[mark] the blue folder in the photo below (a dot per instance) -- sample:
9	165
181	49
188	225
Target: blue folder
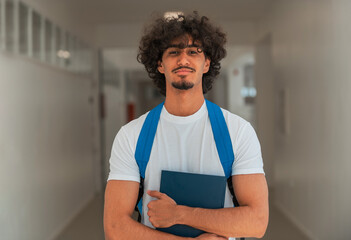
193	190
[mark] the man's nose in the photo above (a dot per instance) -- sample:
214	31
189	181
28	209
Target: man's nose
183	59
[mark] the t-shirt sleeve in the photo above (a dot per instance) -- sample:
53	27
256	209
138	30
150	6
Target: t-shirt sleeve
122	162
247	151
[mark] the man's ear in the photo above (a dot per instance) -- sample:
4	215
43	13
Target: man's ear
207	65
160	67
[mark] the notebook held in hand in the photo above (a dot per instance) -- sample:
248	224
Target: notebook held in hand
192	190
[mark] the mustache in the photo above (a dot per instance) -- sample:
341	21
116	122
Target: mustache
178	68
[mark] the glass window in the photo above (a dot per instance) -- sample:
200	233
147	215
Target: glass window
2	22
10	25
90	61
86	59
36	34
58	45
53	45
79	56
71	50
48	39
65	54
23	29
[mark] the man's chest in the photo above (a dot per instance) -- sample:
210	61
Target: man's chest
186	148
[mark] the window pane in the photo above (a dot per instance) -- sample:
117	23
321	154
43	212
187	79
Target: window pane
10	26
90	62
58	45
71	50
78	56
1	24
48	42
85	59
23	29
65	54
36	35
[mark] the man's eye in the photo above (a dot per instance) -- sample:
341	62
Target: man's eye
173	52
193	52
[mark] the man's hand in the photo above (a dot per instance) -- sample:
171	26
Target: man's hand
162	212
210	236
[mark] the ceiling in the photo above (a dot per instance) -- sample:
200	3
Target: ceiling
100	12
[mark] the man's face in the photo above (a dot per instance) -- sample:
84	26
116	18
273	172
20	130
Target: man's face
183	66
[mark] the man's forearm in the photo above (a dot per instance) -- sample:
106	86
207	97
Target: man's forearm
126	228
241	221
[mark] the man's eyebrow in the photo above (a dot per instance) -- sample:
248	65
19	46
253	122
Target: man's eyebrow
181	46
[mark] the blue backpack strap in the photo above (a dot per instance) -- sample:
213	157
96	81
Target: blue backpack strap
223	143
146	138
222	137
145	141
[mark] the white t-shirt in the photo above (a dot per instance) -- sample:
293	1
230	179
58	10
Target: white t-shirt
184	144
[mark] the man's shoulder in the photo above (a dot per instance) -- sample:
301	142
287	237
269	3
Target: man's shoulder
237	125
232	118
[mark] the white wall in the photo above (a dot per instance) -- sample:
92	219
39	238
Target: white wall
46	148
311	57
265	114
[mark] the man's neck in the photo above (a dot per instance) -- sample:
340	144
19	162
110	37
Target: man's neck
184	104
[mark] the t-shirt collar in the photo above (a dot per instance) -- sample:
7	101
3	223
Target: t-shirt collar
186	119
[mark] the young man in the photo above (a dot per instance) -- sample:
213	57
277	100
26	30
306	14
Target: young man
182	56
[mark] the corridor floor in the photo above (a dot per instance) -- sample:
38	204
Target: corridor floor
88	225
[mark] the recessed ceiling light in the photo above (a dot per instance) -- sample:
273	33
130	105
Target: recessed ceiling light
174	15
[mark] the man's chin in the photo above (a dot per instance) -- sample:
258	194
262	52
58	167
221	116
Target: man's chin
183	85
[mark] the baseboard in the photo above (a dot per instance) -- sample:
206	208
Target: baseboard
295	222
68	221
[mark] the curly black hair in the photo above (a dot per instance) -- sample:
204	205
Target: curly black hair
158	37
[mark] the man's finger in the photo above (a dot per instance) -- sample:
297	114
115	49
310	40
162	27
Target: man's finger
210	236
155	194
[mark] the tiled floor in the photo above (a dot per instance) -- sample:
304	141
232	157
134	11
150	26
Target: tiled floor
88	225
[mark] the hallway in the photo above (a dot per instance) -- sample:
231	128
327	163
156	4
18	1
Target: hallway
69	79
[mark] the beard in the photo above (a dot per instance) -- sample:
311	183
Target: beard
183	85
